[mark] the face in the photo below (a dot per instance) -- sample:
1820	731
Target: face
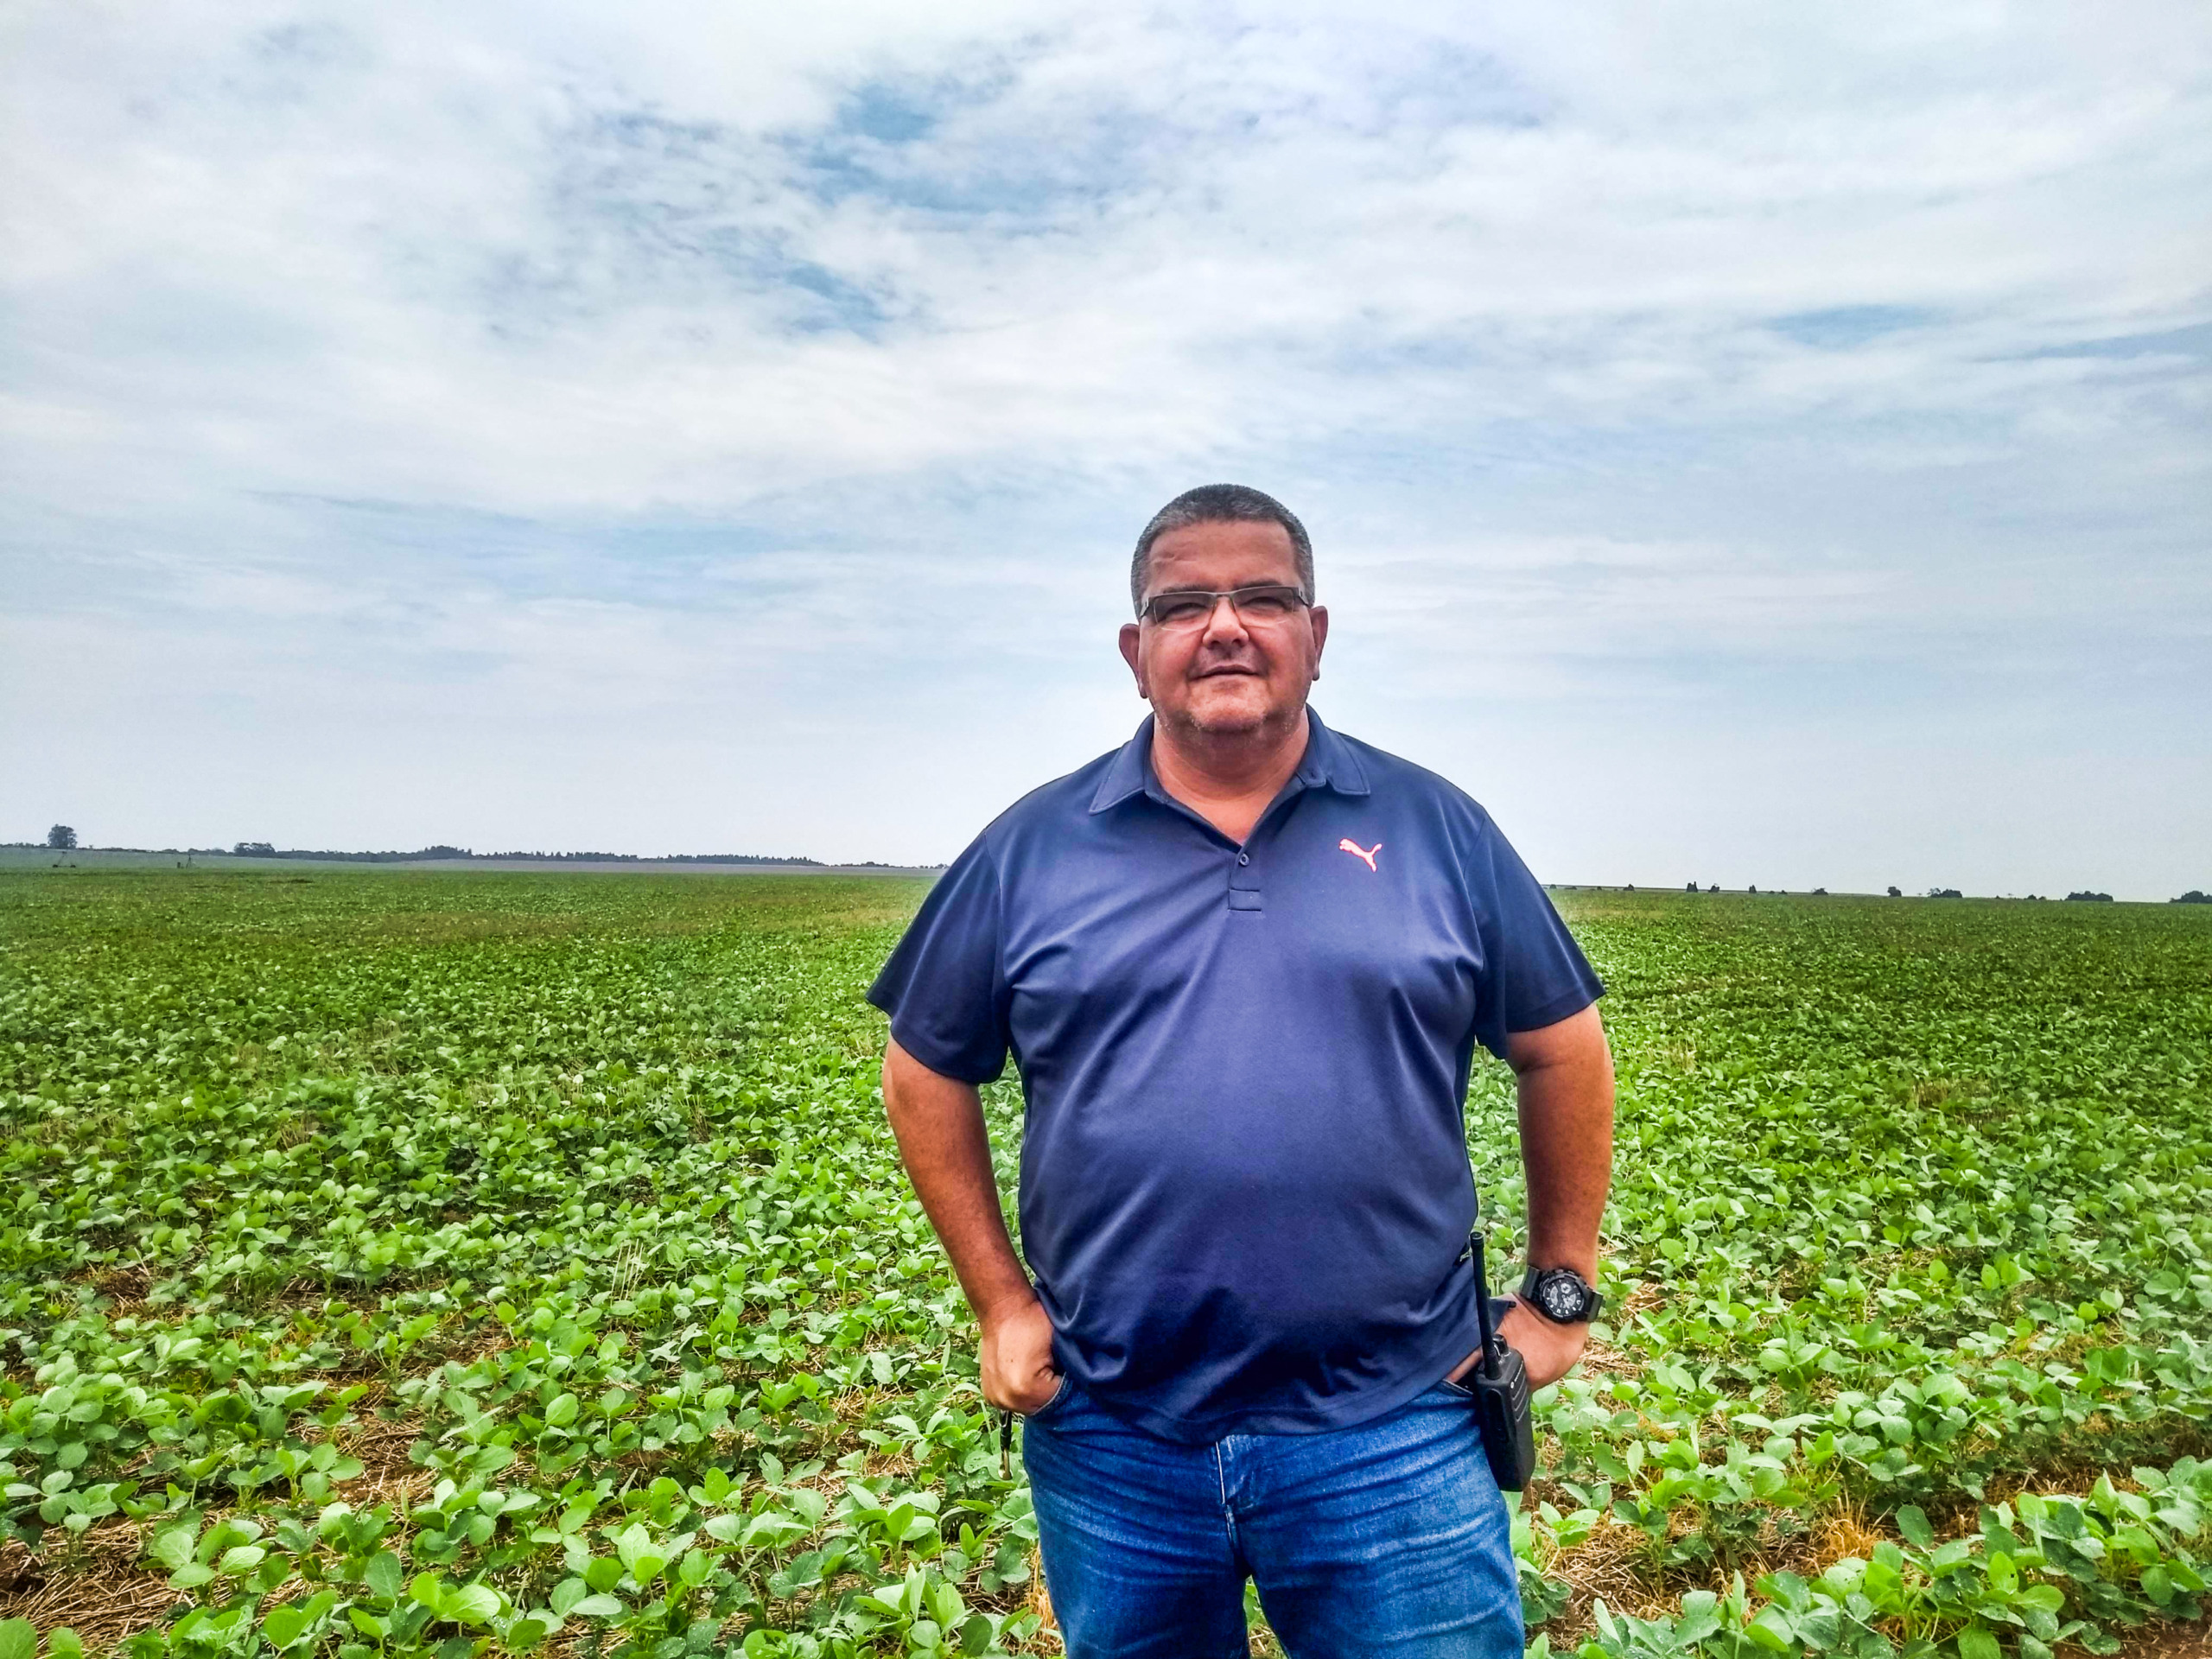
1233	676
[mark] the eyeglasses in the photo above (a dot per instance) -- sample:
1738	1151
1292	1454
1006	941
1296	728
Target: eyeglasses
1190	608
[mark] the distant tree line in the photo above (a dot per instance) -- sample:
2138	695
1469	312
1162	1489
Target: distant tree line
2192	897
263	849
62	838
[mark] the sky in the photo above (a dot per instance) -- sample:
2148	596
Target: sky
1744	445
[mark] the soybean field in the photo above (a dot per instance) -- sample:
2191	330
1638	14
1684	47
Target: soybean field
398	1263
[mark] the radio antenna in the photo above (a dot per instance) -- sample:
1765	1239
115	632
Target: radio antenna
1481	1306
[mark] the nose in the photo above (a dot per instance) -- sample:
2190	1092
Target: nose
1223	625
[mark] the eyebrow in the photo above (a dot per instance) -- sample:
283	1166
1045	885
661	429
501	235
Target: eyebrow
1240	587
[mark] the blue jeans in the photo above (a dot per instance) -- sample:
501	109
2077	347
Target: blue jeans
1389	1538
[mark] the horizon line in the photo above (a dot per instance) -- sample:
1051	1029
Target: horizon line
442	853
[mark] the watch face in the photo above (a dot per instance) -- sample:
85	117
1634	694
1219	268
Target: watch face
1562	1298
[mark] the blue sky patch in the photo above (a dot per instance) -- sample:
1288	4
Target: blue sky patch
1841	327
2194	341
886	114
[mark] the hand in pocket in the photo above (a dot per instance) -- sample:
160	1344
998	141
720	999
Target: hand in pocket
1018	1375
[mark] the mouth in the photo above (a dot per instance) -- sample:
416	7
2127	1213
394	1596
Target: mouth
1226	669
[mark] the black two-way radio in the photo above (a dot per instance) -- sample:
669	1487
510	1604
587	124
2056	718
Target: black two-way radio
1500	1385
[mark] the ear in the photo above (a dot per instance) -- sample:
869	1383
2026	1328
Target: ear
1132	655
1318	618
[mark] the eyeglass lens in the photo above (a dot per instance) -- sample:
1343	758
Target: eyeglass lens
1189	610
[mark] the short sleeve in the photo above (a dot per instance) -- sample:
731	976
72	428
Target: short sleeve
943	986
1536	974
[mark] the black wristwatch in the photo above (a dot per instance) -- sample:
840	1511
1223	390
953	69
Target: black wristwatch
1561	1295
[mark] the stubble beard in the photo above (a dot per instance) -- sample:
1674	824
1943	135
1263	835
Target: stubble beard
1206	720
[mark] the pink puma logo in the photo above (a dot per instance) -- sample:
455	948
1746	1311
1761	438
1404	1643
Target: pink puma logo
1366	854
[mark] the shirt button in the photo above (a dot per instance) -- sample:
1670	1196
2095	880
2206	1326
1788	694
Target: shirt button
1243	858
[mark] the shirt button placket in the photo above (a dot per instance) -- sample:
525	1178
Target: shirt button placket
1243	885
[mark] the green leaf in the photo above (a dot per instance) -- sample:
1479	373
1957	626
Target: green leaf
471	1604
1819	1630
562	1410
1786	1587
802	1571
285	1624
1773	1629
385	1576
1947	1557
172	1546
946	1606
18	1639
1696	1622
602	1572
1976	1643
597	1607
1840	1578
1913	1524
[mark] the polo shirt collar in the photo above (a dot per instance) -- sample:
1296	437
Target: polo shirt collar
1329	763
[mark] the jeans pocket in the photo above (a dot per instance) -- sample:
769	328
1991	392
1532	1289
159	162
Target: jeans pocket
1059	1399
1458	1388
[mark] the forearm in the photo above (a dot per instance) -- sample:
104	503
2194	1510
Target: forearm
939	1125
1565	1078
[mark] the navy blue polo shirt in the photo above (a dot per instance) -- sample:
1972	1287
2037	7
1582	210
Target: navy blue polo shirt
1244	1177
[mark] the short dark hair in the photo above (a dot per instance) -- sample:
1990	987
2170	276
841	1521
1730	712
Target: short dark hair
1223	504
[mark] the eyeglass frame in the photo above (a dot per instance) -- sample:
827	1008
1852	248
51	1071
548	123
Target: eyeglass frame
1215	596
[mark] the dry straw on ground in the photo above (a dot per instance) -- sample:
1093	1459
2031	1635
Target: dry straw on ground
95	1584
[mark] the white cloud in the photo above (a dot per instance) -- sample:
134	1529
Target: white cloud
1685	357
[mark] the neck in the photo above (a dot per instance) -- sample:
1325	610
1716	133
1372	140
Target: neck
1228	779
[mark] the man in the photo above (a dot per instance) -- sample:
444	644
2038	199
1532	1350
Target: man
1241	964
